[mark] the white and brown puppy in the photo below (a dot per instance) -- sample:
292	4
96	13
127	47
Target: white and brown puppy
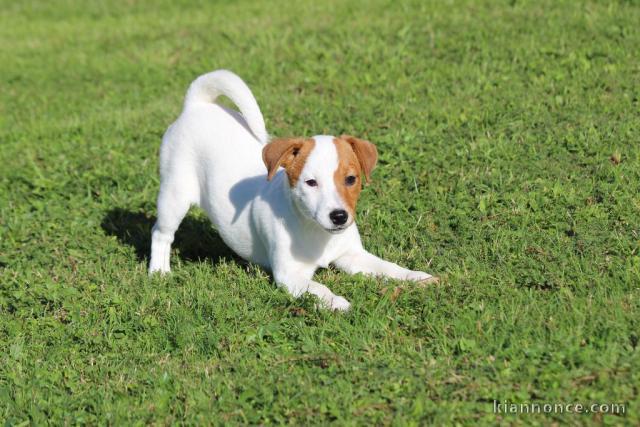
293	216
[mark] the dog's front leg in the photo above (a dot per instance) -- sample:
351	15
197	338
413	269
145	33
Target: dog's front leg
361	261
297	282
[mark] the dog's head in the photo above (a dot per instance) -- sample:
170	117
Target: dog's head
324	175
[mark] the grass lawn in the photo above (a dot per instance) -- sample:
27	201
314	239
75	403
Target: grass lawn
509	136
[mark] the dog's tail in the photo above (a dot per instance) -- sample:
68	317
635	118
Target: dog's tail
208	87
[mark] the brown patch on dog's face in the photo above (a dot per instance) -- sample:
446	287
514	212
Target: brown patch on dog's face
347	176
290	153
366	152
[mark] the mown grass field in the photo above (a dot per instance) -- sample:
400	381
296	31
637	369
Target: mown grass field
509	135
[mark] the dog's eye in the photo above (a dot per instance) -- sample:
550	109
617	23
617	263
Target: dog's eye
350	180
311	183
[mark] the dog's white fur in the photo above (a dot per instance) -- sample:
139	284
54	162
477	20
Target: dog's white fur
212	157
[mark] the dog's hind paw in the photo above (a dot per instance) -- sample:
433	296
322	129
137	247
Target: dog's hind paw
158	270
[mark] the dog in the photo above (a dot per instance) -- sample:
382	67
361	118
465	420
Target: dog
288	204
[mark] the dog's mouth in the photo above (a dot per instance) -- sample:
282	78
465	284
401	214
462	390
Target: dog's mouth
330	228
335	230
338	229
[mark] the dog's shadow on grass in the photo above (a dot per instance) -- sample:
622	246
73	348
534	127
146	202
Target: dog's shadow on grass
195	240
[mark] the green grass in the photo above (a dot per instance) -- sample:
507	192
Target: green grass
509	140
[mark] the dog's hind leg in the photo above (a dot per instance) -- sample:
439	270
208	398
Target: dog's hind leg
172	207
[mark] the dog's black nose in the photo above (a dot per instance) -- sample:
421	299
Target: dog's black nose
339	216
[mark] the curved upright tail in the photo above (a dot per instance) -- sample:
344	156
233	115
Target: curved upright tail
208	87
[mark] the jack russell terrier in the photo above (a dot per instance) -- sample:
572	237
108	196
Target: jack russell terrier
288	205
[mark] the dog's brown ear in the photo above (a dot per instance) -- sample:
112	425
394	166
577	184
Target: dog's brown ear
366	152
280	152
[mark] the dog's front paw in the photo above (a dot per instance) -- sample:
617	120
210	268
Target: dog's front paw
422	277
339	303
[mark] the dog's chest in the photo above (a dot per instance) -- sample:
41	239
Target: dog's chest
326	259
323	252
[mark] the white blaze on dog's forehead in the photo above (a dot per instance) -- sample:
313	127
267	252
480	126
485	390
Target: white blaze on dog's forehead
321	166
323	159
